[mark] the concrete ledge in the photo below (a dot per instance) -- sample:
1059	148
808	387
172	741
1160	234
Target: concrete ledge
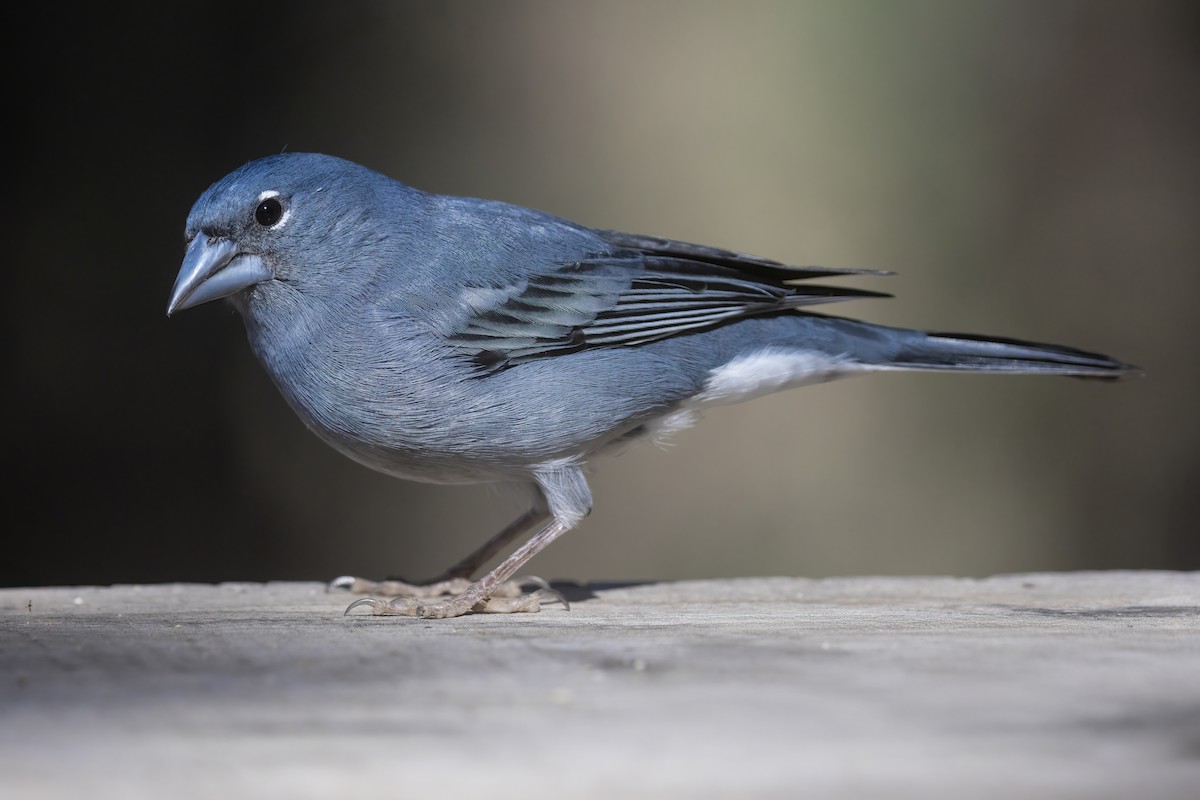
1041	685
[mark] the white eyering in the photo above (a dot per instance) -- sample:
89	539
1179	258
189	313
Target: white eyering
287	212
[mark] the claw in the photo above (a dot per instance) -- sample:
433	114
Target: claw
548	595
533	580
342	582
362	601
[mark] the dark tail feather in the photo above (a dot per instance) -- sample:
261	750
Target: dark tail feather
970	353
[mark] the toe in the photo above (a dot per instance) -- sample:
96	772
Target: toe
397	606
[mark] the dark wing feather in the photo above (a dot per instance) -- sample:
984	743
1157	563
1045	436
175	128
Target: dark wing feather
653	246
644	289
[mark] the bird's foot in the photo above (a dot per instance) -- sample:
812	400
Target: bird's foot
439	587
459	604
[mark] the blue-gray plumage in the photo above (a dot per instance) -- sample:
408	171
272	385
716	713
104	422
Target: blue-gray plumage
453	340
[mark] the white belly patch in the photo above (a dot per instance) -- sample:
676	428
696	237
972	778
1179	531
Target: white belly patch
771	369
762	372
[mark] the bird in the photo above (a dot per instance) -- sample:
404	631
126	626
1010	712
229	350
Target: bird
449	340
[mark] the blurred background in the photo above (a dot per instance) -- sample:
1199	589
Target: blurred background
1029	169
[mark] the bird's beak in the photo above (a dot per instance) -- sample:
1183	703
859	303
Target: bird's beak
212	269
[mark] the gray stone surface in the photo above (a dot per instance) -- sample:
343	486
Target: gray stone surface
1030	686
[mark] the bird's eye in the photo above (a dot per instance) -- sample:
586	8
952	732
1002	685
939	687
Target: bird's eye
268	212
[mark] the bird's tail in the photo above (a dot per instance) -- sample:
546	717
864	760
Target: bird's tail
970	353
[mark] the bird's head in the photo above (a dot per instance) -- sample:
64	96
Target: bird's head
274	221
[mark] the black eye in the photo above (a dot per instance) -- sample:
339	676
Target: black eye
268	212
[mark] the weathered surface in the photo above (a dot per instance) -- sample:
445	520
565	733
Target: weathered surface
1047	685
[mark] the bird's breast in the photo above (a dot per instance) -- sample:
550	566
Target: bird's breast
397	399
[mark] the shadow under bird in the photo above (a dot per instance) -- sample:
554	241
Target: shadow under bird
457	340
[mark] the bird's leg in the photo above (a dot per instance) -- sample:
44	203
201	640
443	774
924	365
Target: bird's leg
456	579
478	596
568	500
467	567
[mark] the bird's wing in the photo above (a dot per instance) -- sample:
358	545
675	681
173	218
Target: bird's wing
637	290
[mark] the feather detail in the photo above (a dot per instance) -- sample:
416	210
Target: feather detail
646	290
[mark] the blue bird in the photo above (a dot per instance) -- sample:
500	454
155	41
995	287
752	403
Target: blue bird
455	340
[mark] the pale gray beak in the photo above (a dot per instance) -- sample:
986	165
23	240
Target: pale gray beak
212	269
